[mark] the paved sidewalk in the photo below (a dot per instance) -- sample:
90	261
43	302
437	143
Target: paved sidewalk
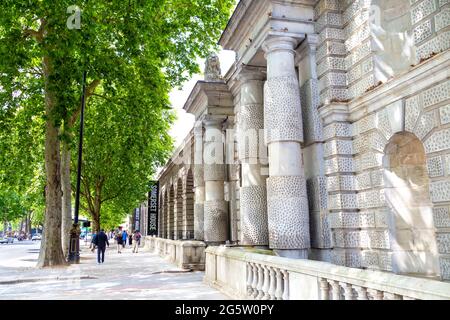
123	276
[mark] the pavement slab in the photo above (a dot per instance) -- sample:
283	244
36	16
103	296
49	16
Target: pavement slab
125	276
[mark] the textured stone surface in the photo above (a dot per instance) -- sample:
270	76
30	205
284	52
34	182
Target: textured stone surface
440	191
288	213
214	172
282	110
216	221
438	141
253	213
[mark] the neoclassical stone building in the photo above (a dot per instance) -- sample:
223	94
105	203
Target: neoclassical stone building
333	133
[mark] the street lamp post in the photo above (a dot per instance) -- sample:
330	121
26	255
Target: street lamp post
74	247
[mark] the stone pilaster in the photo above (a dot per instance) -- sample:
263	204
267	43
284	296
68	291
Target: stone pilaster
216	228
287	201
199	183
253	195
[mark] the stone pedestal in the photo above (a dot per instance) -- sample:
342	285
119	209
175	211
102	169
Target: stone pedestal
287	201
253	197
216	222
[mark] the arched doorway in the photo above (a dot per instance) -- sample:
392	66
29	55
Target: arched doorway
166	215
188	214
411	227
170	214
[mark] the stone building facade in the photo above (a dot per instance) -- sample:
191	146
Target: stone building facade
333	130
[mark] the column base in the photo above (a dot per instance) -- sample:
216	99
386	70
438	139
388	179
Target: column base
292	254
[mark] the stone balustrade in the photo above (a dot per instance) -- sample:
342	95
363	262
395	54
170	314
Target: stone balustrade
185	254
243	274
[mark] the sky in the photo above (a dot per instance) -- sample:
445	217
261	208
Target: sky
185	121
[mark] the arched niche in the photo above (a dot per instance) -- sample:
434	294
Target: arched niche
411	227
392	38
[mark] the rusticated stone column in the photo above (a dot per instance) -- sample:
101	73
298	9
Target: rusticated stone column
253	201
287	201
216	208
199	183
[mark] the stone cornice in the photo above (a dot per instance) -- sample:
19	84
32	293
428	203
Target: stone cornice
403	86
415	80
210	98
255	20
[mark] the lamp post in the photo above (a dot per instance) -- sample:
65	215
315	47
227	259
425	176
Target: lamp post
74	247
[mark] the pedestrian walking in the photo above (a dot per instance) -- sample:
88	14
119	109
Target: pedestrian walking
124	238
92	246
136	239
130	239
101	241
119	240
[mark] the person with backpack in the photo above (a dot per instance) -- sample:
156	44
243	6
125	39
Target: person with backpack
136	240
93	245
119	240
124	238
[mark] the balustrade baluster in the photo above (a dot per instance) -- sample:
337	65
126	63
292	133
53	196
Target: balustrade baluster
273	284
336	290
376	294
260	282
285	285
266	285
361	293
391	296
279	290
255	280
324	289
249	279
348	291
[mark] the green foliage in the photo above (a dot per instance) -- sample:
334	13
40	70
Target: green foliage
134	51
11	206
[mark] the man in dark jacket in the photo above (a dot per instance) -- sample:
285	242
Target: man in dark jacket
101	242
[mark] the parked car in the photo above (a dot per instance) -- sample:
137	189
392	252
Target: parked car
36	237
7	240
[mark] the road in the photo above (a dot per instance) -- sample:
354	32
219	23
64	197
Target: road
141	276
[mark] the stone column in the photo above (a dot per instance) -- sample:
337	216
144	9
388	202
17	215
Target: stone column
216	208
253	201
287	202
199	183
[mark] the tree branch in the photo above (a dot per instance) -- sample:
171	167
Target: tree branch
89	92
39	34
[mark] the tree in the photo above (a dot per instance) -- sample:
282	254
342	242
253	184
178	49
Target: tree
126	140
42	60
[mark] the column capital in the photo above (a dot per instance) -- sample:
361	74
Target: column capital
198	128
308	47
279	43
213	122
247	73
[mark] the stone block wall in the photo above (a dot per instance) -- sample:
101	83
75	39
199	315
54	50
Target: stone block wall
351	56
